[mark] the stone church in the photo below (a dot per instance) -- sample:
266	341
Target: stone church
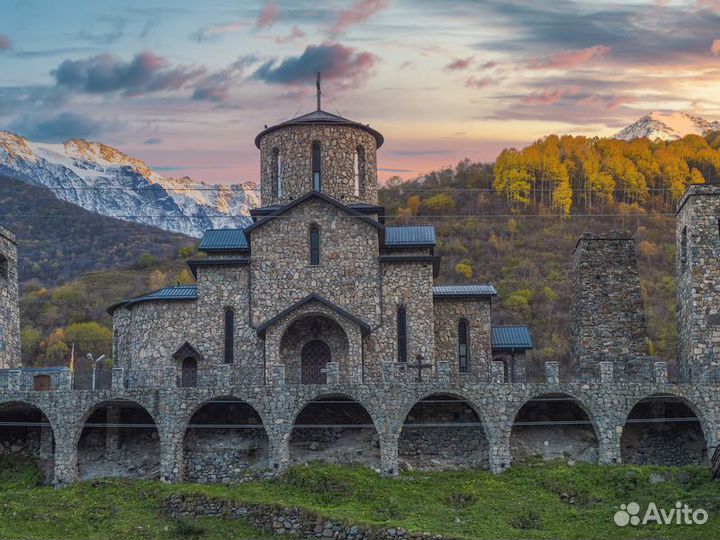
317	332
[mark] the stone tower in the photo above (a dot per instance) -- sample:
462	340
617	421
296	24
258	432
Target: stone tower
318	151
607	315
698	277
9	302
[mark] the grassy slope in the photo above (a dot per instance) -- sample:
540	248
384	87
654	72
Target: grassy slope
530	501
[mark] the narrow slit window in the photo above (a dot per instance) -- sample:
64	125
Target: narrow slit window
683	250
402	334
316	166
229	336
359	169
463	346
4	267
314	245
276	190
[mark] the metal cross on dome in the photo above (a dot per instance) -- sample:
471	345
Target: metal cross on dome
319	92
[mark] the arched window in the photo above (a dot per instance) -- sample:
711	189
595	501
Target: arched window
229	335
4	267
683	250
276	173
316	166
314	245
358	169
188	377
402	334
463	346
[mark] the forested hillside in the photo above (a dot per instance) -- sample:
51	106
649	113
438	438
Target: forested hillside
486	233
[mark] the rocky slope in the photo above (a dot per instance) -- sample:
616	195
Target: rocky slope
105	181
667	126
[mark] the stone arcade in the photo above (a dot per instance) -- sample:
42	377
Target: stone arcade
319	325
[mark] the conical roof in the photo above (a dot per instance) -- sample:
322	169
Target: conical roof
320	117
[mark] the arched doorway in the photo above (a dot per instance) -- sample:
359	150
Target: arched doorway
119	439
25	432
663	430
314	360
553	426
225	441
335	429
188	373
442	432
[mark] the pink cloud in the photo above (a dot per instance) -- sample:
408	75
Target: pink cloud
710	5
268	15
460	64
5	43
294	34
571	58
357	13
715	47
472	82
546	97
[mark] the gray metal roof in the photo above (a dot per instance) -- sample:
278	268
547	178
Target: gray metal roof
464	291
321	118
508	338
418	235
224	240
181	292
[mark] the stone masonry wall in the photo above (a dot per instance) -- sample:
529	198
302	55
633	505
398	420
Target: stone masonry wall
607	315
337	147
9	302
698	271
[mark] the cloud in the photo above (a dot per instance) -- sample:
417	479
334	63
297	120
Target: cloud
356	14
473	82
294	34
715	47
152	140
104	73
216	86
268	16
570	59
460	64
545	97
211	33
5	43
116	31
66	125
343	65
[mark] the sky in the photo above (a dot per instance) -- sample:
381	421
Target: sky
186	85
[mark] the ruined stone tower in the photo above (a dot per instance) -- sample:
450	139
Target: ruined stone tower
607	317
9	302
698	275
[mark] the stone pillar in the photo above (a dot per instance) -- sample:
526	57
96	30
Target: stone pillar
277	374
606	372
388	372
609	443
499	454
661	372
442	372
170	376
65	380
14	380
46	442
497	371
279	446
552	372
171	456
66	438
332	373
118	379
112	429
389	442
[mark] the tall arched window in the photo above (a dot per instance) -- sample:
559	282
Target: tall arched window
276	173
229	335
402	334
463	346
314	245
316	166
683	249
358	169
4	267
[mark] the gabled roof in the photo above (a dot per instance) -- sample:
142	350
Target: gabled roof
313	297
511	338
309	195
224	240
464	291
168	294
414	236
320	117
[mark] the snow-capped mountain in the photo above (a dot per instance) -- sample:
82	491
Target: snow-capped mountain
667	126
103	180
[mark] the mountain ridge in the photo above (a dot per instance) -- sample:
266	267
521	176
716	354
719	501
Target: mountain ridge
667	126
106	181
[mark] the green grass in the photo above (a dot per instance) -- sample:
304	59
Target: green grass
530	501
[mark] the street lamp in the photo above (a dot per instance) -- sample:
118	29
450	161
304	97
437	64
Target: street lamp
95	363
